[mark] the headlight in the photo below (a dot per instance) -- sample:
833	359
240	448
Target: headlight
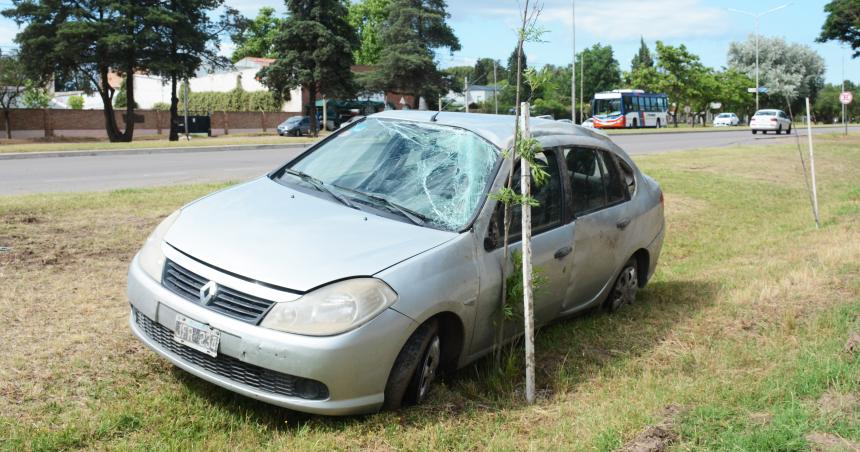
333	309
150	257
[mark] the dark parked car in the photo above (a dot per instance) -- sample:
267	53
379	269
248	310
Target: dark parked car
295	126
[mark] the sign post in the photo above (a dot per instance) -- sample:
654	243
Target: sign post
812	166
845	98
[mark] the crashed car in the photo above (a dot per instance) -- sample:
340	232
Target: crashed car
346	280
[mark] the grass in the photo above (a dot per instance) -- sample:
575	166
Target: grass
150	142
740	332
686	128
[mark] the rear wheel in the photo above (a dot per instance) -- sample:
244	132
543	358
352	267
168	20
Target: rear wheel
624	290
415	368
658	124
754	131
779	130
788	132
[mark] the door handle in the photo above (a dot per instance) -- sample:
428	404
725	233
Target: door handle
562	252
622	224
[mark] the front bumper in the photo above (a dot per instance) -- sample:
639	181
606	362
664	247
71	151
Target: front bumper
353	366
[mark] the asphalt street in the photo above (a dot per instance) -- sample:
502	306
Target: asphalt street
115	170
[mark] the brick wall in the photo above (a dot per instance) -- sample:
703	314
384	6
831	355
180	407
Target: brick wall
34	123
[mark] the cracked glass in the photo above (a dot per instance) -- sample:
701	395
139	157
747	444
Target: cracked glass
439	172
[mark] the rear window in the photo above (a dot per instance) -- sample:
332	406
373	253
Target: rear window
765	113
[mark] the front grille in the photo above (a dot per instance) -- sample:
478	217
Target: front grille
227	301
232	368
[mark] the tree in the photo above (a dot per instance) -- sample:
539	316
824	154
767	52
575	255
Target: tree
827	107
456	76
35	96
84	40
642	59
601	70
12	81
313	49
121	98
731	87
368	17
182	38
483	72
412	31
256	37
76	102
789	71
842	24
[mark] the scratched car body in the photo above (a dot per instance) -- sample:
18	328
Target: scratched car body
344	281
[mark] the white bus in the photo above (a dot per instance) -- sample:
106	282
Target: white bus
629	108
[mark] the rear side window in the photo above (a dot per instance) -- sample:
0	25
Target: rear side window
612	181
586	180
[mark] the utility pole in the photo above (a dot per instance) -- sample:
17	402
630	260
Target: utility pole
582	87
844	106
573	63
466	92
757	16
496	88
187	135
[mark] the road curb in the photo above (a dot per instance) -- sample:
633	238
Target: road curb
140	151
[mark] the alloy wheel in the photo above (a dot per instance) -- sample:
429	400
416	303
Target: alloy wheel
429	367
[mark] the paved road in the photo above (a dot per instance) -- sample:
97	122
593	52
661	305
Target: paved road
108	172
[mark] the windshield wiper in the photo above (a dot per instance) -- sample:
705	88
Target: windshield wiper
320	185
409	214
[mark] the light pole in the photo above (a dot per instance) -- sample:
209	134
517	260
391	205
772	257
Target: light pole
757	16
573	63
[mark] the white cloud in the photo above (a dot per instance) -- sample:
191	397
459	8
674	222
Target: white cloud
624	19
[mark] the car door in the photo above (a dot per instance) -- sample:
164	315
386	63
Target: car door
600	207
552	246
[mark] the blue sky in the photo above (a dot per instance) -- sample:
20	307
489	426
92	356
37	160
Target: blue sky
485	28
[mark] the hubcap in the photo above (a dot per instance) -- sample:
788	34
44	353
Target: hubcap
625	288
429	367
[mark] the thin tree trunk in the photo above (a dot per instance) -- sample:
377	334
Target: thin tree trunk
174	109
312	94
128	134
6	116
528	291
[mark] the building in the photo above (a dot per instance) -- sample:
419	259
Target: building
477	94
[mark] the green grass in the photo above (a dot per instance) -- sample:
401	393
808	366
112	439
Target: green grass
686	128
741	329
145	142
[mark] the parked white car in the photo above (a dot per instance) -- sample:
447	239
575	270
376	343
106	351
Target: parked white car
726	119
770	120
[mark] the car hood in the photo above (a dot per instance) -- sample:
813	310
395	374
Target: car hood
278	235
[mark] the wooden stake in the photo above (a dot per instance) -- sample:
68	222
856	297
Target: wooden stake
528	292
812	166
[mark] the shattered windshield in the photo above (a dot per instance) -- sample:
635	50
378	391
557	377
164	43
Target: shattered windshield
438	172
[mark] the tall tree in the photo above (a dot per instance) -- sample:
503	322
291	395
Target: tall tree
601	70
483	71
517	65
313	49
368	17
183	38
642	59
789	71
12	81
842	24
413	30
256	37
682	74
85	40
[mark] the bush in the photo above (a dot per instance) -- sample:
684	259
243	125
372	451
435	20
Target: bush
236	99
76	102
161	106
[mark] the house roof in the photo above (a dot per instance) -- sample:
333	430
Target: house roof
483	88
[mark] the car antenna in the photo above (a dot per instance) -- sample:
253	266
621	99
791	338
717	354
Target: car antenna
433	118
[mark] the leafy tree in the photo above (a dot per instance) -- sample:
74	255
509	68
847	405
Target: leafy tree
313	49
161	106
76	102
552	97
256	37
84	40
183	38
121	98
456	75
827	107
483	71
683	77
642	59
508	94
789	71
413	29
731	91
35	96
601	70
842	24
368	18
12	80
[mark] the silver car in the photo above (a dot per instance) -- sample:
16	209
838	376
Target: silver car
346	280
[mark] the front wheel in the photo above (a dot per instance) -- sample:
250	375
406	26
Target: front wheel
415	368
754	131
624	290
788	132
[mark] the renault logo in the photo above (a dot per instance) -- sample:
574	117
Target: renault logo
208	292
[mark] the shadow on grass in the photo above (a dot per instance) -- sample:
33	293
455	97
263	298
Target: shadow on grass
569	352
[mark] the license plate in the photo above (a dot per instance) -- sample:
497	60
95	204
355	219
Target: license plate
196	335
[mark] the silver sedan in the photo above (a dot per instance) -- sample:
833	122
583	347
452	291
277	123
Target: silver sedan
346	280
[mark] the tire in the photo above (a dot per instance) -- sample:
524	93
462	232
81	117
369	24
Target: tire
779	130
625	287
415	368
635	123
764	132
754	131
658	124
788	132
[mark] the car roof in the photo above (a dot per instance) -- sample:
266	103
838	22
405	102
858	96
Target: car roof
499	129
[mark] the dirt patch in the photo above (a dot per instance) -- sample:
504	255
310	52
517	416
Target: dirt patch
761	419
656	437
826	442
833	403
852	345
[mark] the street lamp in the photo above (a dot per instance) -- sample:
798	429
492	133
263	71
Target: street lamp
573	63
757	16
